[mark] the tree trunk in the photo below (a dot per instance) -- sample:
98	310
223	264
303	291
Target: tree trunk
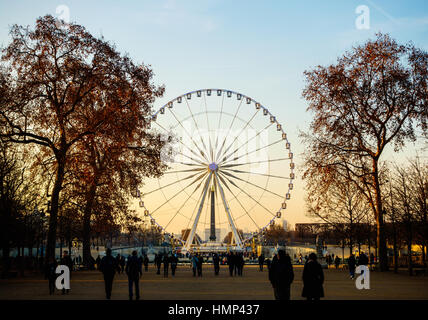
395	249
87	213
53	218
380	239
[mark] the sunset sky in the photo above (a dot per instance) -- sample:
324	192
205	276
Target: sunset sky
258	48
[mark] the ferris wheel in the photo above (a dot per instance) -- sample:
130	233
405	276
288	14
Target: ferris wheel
230	168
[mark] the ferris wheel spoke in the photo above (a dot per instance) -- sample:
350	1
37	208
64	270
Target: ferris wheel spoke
230	128
253	162
236	137
171	184
186	170
219	121
250	152
198	215
197	127
242	190
181	142
244	144
184	203
209	130
250	183
182	190
235	197
232	221
256	173
191	138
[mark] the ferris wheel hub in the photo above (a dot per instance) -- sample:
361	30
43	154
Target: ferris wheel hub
213	166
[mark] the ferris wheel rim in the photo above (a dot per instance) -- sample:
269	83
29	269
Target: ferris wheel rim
249	100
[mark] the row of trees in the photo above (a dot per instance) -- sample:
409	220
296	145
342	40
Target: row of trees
373	97
76	113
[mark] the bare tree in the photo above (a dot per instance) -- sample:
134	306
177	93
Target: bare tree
374	96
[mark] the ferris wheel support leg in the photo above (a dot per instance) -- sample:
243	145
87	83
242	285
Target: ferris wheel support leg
235	234
191	236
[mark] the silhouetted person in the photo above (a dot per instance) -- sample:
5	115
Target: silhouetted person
231	263
336	262
122	263
158	262
240	263
216	263
351	265
199	265
134	271
281	276
50	274
174	262
195	262
261	261
108	266
66	260
146	263
363	260
118	260
313	279
165	265
98	261
268	262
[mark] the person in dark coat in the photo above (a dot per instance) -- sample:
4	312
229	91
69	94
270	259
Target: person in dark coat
108	267
216	263
231	263
199	265
313	279
174	262
240	263
158	262
122	263
118	260
363	260
351	265
51	275
134	271
146	263
165	265
66	260
261	261
336	262
281	276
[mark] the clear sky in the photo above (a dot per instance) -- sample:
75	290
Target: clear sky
259	48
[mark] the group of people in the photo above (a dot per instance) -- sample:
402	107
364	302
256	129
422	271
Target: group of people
281	276
280	269
167	261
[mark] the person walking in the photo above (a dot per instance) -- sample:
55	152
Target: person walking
195	262
336	262
261	261
281	276
134	271
108	267
122	264
240	263
313	279
158	262
230	262
118	259
146	263
50	274
165	265
174	262
216	263
351	265
66	260
199	265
